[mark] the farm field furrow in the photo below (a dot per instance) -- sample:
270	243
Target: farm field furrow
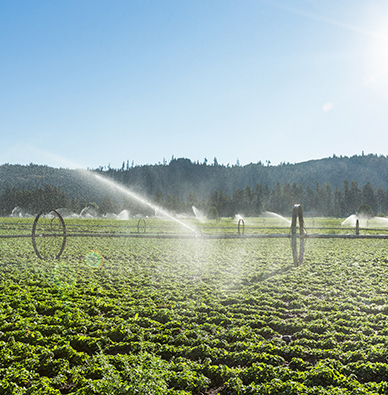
194	316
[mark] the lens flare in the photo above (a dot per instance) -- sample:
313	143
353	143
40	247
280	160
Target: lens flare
327	106
94	259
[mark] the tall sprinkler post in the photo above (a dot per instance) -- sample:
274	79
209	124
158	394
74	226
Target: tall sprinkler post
297	213
241	226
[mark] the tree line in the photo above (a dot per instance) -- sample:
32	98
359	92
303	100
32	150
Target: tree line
320	200
183	177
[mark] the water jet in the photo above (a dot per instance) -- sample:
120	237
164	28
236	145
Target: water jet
277	216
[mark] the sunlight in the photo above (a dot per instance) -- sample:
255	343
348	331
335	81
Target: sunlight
382	57
378	59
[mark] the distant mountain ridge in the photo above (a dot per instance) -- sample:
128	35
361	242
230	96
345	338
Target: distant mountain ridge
182	176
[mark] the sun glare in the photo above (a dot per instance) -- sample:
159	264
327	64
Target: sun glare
383	56
379	56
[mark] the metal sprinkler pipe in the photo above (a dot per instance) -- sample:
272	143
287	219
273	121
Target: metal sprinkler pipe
241	226
55	229
49	234
297	213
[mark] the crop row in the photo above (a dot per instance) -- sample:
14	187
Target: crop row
194	316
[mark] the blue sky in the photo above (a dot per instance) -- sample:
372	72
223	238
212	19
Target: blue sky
91	83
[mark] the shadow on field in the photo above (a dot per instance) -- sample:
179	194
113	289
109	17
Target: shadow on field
264	275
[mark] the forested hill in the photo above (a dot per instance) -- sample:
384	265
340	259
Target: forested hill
332	186
182	176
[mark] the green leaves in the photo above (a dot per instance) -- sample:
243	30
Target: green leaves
191	316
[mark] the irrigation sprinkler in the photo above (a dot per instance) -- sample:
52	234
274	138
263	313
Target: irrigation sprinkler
141	226
241	226
297	214
49	233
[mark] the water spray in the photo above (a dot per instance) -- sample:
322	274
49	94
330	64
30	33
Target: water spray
122	189
49	232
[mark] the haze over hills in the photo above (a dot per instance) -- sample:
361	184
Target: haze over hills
336	186
182	176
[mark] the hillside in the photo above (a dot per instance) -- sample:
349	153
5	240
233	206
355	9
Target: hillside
182	177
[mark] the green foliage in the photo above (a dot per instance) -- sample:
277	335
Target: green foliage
194	316
328	187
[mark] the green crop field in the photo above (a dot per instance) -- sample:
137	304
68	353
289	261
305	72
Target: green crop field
193	316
